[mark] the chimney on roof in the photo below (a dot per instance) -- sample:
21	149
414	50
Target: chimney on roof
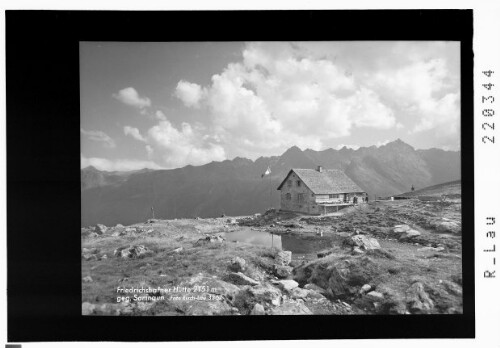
319	169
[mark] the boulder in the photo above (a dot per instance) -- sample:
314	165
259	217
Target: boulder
118	233
90	257
283	258
209	239
240	279
287	285
100	229
258	309
363	242
90	251
291	308
449	226
315	295
412	233
375	296
237	264
133	252
339	278
357	251
401	228
418	300
282	272
87	279
452	288
365	288
299	293
88	308
266	294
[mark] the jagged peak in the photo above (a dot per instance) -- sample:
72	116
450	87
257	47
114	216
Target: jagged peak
398	143
293	149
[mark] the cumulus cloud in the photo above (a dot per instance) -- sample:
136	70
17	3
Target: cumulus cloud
130	97
99	136
189	93
150	151
276	97
425	91
184	145
134	132
117	165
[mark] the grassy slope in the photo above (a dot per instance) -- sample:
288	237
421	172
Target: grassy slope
447	188
407	263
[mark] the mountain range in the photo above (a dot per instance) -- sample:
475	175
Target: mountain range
235	187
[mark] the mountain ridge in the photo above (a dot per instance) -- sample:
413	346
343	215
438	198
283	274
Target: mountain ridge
235	187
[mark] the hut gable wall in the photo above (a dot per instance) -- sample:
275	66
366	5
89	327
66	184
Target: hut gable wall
296	196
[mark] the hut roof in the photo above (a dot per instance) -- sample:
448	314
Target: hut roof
328	181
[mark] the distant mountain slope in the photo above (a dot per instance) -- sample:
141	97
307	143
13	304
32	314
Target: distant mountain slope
236	187
447	188
92	177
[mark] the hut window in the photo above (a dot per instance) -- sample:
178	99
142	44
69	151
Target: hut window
333	196
298	183
300	197
288	196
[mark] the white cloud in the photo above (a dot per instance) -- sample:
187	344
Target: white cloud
150	151
99	136
179	147
189	93
441	115
160	116
130	96
426	92
382	143
354	147
117	165
134	132
276	98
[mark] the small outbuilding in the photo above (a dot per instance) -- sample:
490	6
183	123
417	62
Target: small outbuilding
318	191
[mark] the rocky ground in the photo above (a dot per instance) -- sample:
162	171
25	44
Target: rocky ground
385	257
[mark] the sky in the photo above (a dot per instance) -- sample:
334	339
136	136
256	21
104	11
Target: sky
168	105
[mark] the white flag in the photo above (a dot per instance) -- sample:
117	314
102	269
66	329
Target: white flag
268	171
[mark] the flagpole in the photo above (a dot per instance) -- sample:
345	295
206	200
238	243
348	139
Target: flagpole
270	193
